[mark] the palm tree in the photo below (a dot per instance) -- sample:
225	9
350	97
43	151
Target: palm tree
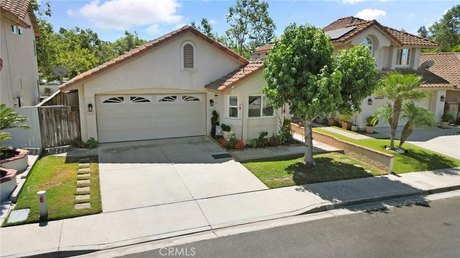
9	119
415	117
398	87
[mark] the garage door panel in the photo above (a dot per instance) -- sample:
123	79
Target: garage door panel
124	119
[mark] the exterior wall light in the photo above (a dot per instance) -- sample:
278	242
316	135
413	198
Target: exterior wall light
442	98
90	107
370	101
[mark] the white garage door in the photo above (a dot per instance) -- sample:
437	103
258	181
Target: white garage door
142	117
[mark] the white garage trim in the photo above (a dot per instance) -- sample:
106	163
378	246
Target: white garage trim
150	116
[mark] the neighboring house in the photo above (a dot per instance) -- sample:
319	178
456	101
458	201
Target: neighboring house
169	87
392	50
447	66
19	75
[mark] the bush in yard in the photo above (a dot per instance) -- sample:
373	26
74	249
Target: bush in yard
223	142
9	119
232	140
274	140
253	143
240	145
261	140
285	134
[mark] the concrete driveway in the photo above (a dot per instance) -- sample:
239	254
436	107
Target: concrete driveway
146	173
444	141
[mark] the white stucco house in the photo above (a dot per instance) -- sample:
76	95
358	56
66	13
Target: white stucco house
169	87
393	50
18	60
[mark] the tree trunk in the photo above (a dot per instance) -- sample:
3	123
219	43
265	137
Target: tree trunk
396	111
308	157
406	132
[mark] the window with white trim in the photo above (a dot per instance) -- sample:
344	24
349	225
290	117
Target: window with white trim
260	106
233	107
138	99
403	56
188	55
369	43
190	99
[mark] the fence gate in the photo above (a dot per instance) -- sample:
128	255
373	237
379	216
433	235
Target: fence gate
59	125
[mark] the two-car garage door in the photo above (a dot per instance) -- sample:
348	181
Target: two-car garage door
141	117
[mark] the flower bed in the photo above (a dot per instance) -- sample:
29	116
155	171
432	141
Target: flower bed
7	182
15	159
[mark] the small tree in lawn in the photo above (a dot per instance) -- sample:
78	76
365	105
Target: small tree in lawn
359	77
415	117
398	87
299	72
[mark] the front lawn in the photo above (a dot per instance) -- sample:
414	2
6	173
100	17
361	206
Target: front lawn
333	166
58	176
416	159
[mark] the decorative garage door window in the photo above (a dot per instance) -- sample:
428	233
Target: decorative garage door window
168	99
190	99
138	99
115	100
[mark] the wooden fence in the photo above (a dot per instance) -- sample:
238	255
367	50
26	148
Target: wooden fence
59	125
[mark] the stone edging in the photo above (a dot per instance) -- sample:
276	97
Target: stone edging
372	157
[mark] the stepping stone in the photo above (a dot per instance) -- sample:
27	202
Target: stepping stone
84	170
18	215
84	205
83	175
83	189
80	197
83	160
83	181
83	165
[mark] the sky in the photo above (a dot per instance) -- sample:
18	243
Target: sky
153	18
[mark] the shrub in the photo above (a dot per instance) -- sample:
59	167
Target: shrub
446	117
47	91
240	145
226	128
372	121
285	134
261	140
90	144
274	140
232	140
253	143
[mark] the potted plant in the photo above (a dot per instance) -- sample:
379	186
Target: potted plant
331	120
371	122
345	118
446	118
226	130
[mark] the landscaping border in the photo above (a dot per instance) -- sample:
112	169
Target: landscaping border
369	156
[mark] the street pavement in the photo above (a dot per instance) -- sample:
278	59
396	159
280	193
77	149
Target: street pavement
430	230
151	223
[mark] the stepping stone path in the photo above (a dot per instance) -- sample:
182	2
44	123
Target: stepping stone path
83	178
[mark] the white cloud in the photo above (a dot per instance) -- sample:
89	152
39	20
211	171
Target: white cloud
352	1
371	14
123	14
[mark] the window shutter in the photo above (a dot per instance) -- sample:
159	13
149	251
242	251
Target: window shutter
188	56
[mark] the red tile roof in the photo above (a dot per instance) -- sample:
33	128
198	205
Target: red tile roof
143	49
17	10
445	65
429	79
235	77
400	37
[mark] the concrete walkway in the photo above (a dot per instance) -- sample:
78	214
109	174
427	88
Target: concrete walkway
120	228
351	135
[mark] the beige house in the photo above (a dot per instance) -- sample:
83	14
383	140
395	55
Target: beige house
19	73
392	50
169	87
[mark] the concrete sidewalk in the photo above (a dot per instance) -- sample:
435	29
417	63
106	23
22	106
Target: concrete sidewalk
121	228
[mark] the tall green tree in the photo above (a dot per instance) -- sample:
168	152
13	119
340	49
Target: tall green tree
299	72
359	77
250	26
446	32
415	117
399	87
206	28
423	32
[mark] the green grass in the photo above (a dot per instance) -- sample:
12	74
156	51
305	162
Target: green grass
58	176
416	159
281	172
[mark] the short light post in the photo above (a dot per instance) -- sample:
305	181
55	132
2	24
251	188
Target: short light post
42	205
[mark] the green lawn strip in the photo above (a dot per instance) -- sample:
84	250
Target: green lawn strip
281	172
58	176
417	158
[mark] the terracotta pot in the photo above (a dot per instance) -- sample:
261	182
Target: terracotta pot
345	125
370	129
331	122
444	124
